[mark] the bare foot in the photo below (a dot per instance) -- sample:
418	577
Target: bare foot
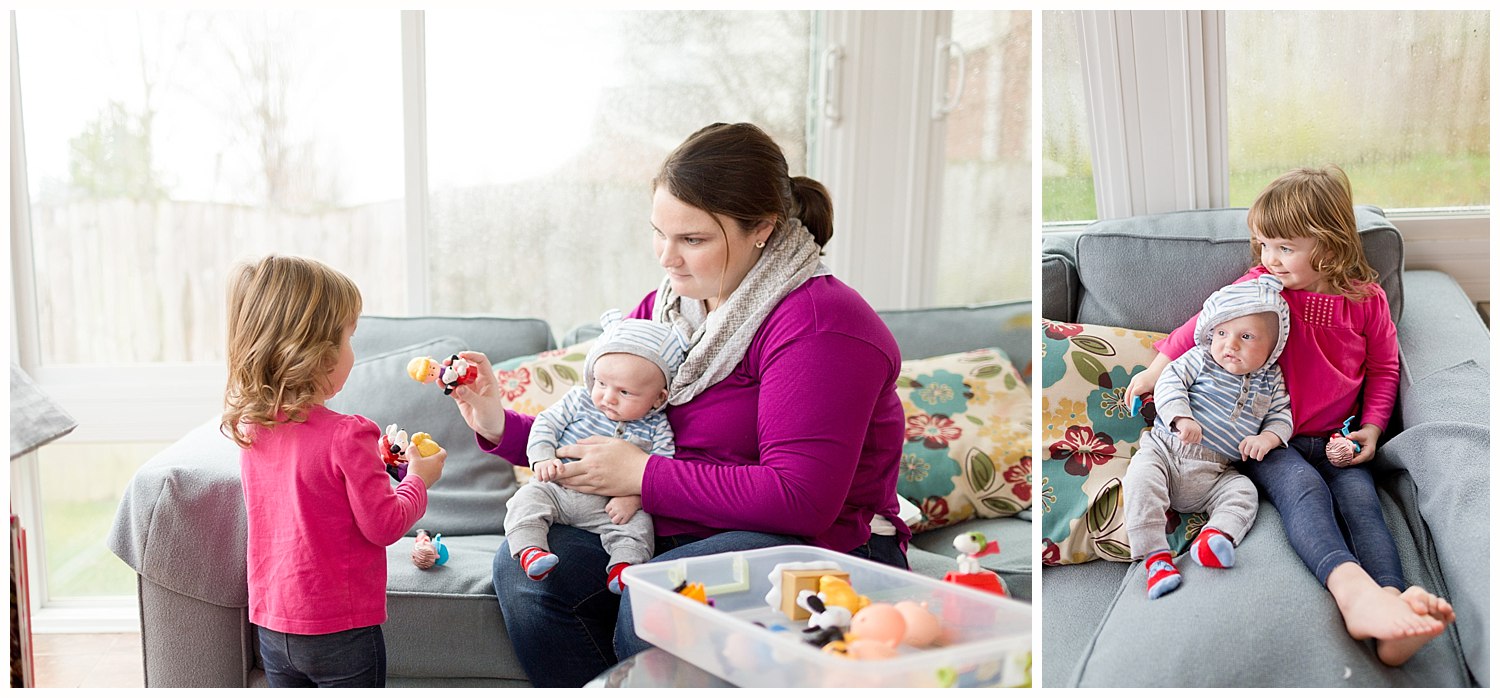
1426	603
1372	611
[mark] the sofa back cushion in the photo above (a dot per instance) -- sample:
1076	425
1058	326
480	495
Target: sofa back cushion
498	338
1153	272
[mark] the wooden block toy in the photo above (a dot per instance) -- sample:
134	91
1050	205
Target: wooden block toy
793	581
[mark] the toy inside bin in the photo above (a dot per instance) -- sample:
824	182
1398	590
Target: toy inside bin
987	637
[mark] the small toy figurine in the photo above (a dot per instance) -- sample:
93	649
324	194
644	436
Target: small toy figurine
394	445
836	591
971	547
449	373
922	629
879	622
694	591
423	553
827	622
1341	448
442	549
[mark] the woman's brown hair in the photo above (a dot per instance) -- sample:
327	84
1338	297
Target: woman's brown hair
737	171
286	321
1315	203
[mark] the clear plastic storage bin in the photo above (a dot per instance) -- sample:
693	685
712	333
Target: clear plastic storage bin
988	637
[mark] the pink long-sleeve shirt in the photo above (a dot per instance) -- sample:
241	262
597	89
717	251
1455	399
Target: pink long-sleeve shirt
1335	348
802	438
321	512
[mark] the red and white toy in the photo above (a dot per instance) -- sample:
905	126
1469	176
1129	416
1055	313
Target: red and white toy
394	445
449	373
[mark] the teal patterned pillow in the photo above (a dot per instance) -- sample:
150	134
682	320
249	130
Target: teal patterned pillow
1088	437
968	437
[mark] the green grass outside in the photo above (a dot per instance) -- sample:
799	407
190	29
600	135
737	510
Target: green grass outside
1425	182
78	563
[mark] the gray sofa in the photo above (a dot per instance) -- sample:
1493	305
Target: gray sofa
1267	622
181	523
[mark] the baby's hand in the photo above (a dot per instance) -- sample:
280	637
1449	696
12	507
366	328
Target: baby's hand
1256	447
620	509
547	470
1188	430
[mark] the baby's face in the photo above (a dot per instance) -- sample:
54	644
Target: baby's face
1242	345
627	387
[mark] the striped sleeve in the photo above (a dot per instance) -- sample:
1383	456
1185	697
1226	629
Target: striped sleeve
549	426
663	441
1171	393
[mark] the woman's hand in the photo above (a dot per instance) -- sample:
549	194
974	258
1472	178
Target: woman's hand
605	466
479	402
1145	381
1366	437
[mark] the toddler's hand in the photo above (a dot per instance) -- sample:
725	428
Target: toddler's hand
1188	430
620	509
479	402
1256	447
1366	436
429	468
1141	384
547	470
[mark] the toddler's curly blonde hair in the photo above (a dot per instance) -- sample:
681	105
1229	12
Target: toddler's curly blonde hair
286	320
1316	203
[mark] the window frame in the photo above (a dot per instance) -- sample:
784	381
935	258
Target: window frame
107	401
1118	77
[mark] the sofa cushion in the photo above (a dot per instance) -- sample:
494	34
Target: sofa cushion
968	438
1131	271
1088	437
499	338
929	332
1286	628
470	498
445	621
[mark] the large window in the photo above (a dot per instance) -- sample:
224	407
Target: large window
540	178
1067	163
1400	99
450	162
163	146
987	174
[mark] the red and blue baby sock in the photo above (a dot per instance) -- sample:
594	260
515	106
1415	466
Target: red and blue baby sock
1213	548
537	562
616	583
1162	577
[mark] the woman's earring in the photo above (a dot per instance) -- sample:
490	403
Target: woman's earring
760	244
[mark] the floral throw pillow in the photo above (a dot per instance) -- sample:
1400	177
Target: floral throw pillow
532	383
1088	437
968	437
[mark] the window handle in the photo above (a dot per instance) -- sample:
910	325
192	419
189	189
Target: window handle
833	59
942	103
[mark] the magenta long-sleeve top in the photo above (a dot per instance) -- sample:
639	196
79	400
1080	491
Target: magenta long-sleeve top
803	437
1336	348
321	511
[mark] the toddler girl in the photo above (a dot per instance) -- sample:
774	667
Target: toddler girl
319	504
1340	359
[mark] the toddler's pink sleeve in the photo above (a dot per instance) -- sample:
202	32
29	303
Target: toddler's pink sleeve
1382	363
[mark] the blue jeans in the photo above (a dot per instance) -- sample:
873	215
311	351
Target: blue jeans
1331	515
349	659
568	628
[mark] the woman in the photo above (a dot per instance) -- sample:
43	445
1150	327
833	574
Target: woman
788	424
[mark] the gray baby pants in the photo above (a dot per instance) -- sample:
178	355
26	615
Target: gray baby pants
538	505
1167	473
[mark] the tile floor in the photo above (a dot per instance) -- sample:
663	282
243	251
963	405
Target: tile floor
88	661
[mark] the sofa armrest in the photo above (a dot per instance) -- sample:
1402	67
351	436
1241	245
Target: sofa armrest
1449	463
1445	354
181	522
